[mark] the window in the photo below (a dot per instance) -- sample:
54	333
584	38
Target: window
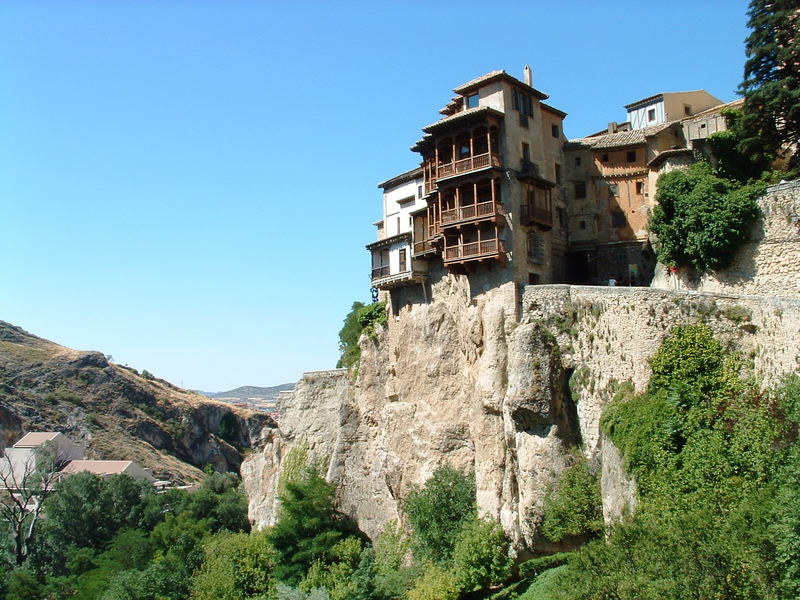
472	101
535	247
526	153
580	190
631	156
581	224
419	191
604	157
640	187
577	161
687	109
402	259
651	114
613	189
618	219
522	102
554	130
534	279
558	173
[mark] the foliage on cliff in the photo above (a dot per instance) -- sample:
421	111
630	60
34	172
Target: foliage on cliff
701	219
361	319
716	463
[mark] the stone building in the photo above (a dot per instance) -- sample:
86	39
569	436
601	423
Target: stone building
489	202
611	183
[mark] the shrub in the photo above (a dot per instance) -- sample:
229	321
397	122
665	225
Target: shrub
360	319
573	506
480	555
437	510
436	583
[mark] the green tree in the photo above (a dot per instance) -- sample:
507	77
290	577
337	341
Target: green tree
308	527
573	506
701	219
437	510
436	583
480	555
235	567
348	337
361	319
771	85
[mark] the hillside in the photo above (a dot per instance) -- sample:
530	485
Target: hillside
115	411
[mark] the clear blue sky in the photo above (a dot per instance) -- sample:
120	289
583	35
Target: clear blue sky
189	185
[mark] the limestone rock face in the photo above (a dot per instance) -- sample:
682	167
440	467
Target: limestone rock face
503	386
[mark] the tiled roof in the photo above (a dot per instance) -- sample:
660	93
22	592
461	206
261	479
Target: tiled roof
463	115
98	467
620	139
402	178
494	76
34	440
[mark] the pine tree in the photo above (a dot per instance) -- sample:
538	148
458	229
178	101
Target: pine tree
771	85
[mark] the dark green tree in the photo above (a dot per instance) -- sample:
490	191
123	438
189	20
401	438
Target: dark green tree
438	510
771	85
308	527
700	218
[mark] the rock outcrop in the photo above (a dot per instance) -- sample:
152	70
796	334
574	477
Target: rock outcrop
464	380
116	412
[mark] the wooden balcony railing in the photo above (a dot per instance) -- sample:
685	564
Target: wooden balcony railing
532	214
379	272
479	161
470	250
423	246
470	212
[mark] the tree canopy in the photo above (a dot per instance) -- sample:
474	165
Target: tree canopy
771	85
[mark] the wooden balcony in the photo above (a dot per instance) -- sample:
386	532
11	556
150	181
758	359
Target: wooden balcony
536	215
471	212
424	247
379	272
492	248
465	165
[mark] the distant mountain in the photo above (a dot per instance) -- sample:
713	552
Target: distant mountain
251	391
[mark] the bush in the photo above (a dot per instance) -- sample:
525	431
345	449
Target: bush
436	583
235	567
437	511
360	319
573	506
480	555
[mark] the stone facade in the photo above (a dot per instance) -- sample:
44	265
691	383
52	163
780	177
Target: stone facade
769	264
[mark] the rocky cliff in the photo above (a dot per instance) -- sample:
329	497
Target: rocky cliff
116	412
509	388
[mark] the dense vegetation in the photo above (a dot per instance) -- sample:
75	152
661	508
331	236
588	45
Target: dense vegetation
717	464
703	214
117	539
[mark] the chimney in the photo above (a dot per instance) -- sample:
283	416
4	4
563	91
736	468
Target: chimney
612	127
528	76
